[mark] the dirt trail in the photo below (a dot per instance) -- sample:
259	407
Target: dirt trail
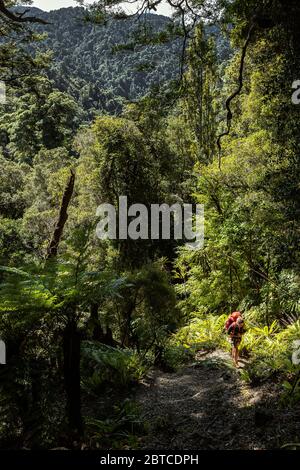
207	406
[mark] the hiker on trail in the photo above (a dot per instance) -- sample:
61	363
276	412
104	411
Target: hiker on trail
235	328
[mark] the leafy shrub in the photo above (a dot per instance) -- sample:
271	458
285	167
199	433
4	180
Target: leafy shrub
270	352
269	348
284	296
177	355
204	332
105	365
118	431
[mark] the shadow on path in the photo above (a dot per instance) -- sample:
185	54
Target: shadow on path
207	406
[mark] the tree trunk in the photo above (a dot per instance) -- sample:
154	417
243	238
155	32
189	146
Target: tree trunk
127	333
62	218
71	349
98	333
71	335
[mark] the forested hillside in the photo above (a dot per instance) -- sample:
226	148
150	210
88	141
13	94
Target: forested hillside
102	66
119	343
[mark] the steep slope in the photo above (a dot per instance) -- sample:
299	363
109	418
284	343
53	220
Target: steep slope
87	65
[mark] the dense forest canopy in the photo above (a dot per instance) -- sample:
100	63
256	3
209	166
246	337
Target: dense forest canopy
100	65
193	109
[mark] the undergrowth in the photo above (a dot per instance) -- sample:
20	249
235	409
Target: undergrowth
268	349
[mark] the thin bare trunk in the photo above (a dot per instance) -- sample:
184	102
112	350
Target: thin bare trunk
62	218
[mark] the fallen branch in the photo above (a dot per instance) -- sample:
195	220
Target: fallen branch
19	18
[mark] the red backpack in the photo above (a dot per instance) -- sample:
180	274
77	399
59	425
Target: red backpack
231	319
235	329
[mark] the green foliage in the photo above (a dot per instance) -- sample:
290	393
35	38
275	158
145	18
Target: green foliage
141	302
107	366
43	118
204	332
270	351
12	180
16	59
200	87
99	65
149	308
119	431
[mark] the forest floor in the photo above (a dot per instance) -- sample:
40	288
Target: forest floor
206	405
